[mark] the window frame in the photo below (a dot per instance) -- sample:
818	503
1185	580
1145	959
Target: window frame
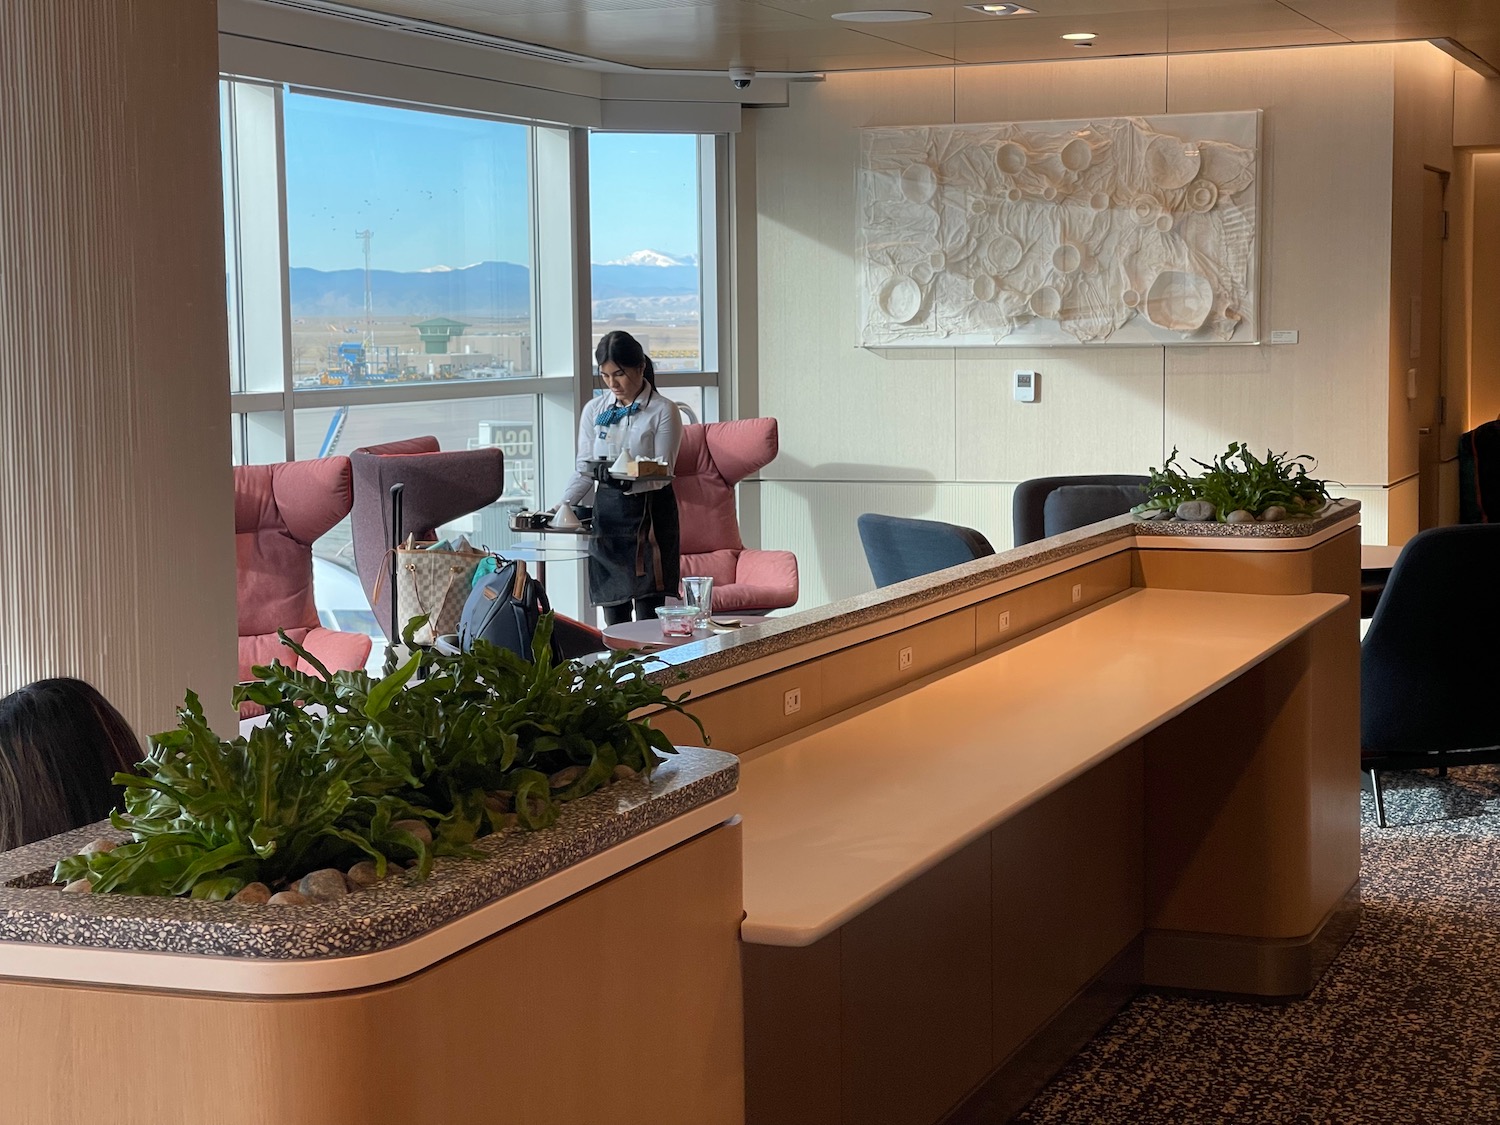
561	296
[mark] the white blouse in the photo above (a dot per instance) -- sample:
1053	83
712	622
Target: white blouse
655	430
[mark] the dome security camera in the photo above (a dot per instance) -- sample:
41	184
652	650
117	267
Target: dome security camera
741	76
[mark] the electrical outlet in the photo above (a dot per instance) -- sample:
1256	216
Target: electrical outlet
1004	620
903	659
791	702
1077	592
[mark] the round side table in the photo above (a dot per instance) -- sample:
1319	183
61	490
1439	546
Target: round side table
647	635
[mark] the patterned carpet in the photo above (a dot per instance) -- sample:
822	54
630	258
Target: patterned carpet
1404	1027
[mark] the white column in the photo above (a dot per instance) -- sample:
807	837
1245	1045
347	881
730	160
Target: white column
116	499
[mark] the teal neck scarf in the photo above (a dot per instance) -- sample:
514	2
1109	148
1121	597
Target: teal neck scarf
610	415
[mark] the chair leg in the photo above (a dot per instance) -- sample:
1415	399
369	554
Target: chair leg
1370	780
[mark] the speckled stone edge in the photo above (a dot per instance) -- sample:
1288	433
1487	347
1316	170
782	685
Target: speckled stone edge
1277	529
381	917
778	634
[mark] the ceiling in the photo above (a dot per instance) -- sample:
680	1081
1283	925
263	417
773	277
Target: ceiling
799	35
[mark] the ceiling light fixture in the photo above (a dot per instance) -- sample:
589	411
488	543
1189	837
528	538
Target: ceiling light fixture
1001	9
1079	36
882	16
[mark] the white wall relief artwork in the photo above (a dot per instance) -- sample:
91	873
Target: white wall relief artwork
1127	230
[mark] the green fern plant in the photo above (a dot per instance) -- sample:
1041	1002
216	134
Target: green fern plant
1237	480
404	767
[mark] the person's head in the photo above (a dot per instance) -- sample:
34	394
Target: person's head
61	743
624	365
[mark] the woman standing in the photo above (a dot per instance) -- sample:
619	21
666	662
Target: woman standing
633	563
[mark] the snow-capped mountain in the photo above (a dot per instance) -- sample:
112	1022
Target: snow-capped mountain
488	289
653	258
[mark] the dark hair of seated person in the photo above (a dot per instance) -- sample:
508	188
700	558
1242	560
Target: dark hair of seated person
61	743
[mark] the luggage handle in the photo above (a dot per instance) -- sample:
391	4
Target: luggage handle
396	490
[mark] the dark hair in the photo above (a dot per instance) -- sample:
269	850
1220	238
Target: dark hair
624	350
61	743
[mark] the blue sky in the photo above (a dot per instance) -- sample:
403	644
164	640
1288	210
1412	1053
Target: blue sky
442	190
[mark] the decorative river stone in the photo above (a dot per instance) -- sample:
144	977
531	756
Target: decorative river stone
1195	511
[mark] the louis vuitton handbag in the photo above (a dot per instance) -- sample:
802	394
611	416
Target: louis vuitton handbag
432	581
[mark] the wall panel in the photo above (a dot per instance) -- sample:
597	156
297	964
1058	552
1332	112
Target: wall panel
935	433
1325	213
1095	412
845	413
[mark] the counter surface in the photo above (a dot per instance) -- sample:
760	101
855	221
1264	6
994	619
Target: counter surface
838	818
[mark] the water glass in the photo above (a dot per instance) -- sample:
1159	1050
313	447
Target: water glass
697	593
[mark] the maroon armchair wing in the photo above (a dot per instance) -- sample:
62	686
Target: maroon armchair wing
438	486
279	511
714	457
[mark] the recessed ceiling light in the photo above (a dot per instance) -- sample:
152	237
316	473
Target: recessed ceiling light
1001	9
1079	36
882	16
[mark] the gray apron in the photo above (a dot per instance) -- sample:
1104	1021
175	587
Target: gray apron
633	552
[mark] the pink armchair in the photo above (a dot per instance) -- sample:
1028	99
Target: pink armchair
714	458
279	510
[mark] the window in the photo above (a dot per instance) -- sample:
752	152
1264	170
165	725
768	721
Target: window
384	266
409	245
653	244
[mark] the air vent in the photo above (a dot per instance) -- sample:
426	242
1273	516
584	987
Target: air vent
431	30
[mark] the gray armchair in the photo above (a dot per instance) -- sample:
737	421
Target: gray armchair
1046	506
898	548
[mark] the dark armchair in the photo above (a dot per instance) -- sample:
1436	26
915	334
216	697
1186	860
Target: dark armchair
437	486
1425	684
1046	506
898	548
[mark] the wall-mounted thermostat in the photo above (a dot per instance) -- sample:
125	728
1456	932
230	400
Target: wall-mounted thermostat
1025	384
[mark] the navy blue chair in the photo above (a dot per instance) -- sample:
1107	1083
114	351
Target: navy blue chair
1428	667
1046	506
897	548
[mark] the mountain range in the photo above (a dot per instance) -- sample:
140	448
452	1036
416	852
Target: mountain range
644	282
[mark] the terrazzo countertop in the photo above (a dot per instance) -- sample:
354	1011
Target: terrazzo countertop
1279	529
779	634
394	911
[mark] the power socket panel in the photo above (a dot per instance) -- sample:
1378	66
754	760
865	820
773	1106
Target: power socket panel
791	702
903	659
1077	593
1003	621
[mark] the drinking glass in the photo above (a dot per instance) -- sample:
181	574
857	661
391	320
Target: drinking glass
677	620
697	593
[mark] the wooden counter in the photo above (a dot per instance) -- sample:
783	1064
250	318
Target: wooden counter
544	1005
985	806
837	818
